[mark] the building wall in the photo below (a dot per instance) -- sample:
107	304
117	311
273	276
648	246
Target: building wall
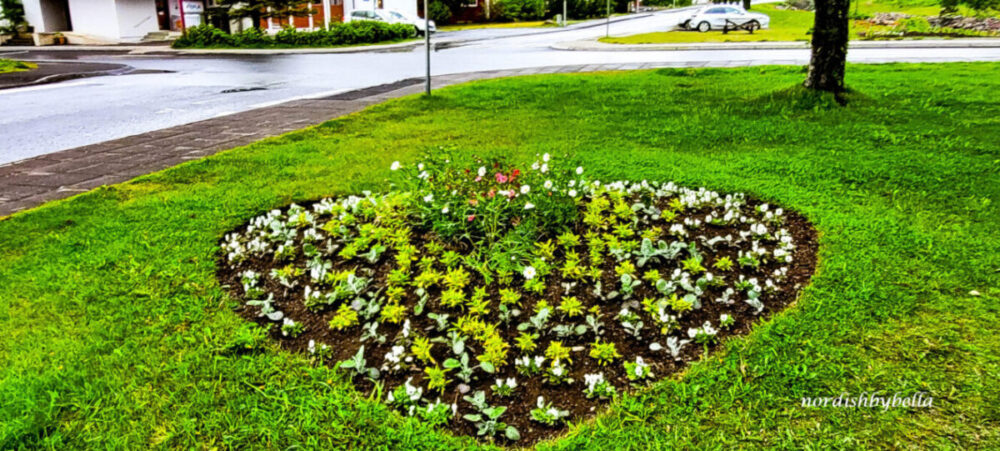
46	15
135	19
95	17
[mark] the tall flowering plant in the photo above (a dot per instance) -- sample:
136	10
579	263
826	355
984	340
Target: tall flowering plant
484	200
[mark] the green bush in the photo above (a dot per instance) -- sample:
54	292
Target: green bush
440	13
516	10
583	9
914	25
351	33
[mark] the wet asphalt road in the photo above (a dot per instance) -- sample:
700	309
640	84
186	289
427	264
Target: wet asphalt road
48	118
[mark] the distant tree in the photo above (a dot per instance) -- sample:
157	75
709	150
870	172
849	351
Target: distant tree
11	15
267	9
829	46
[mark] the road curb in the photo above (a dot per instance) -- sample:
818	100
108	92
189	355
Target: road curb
110	69
593	45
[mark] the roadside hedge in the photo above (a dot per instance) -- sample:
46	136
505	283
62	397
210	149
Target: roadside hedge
340	34
516	10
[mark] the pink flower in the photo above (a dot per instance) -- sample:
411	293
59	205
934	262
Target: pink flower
501	178
479	179
471	217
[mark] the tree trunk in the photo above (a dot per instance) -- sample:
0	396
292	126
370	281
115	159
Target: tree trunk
829	46
746	4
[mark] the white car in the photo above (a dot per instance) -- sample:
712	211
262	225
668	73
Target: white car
715	18
391	16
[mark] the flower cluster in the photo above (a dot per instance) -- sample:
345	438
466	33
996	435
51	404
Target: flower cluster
500	280
486	201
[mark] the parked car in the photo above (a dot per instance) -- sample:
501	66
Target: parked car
714	18
391	16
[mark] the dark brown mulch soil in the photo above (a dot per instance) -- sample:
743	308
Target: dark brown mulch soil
569	397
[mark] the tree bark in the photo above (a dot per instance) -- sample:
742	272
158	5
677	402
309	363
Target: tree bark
829	46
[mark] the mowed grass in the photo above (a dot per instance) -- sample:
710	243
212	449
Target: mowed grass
7	65
115	334
786	24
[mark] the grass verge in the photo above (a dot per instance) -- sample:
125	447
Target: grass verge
786	25
114	332
7	65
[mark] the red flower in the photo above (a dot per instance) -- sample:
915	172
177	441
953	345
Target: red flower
516	173
491	194
471	217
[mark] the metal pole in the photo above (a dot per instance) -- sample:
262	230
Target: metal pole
427	45
607	27
564	13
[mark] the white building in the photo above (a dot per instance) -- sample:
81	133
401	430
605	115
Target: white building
108	20
114	21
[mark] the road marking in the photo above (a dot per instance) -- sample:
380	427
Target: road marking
44	87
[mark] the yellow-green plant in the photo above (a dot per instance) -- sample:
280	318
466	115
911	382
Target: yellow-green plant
605	353
556	351
344	318
422	349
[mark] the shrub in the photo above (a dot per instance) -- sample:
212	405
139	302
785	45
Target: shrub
351	33
439	12
515	10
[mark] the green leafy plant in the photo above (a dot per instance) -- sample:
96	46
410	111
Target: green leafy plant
604	353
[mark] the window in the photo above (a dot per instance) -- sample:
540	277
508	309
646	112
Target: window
715	11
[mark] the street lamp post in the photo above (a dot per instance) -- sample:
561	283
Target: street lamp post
564	13
607	25
427	45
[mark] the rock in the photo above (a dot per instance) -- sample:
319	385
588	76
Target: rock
463	388
577	348
655	347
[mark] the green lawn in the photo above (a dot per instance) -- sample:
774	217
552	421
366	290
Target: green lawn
7	65
115	334
786	25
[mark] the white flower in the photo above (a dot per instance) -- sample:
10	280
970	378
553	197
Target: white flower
482	171
545	168
579	170
525	189
572	183
420	167
528	205
572	193
395	166
529	272
429	198
423	175
511	382
545	157
548	184
444	210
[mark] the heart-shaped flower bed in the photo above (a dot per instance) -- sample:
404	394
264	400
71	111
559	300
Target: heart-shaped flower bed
504	302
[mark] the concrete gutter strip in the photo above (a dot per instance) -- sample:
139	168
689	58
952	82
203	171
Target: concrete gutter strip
597	46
